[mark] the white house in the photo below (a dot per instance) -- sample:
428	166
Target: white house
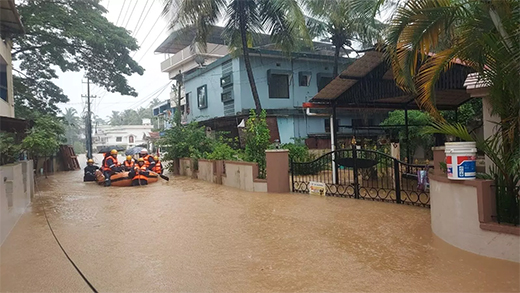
122	135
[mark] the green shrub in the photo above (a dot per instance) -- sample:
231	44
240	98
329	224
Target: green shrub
221	151
257	140
9	149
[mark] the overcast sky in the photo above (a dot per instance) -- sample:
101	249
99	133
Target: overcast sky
149	36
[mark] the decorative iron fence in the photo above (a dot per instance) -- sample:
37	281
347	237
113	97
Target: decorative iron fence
507	204
364	174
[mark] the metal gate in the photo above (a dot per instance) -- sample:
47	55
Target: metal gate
364	174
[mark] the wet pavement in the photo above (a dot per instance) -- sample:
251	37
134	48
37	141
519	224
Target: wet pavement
192	236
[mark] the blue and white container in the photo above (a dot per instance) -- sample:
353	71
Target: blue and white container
461	160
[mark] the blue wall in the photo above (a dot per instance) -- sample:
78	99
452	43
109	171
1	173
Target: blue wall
289	126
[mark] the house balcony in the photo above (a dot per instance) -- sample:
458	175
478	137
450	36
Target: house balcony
190	58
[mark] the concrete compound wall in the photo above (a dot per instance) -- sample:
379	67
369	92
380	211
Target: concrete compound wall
457	218
185	167
16	193
243	175
207	171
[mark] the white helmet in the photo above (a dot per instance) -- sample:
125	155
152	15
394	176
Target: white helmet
144	151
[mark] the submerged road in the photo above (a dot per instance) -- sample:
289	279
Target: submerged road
192	236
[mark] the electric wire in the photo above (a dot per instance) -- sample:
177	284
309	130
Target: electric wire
136	29
126	13
61	246
152	44
148	34
121	11
131	13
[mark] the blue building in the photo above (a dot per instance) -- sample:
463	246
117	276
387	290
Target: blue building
218	93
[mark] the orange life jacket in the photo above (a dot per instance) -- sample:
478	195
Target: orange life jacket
140	176
130	164
105	164
158	167
147	160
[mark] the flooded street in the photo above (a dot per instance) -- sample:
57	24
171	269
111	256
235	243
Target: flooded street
192	236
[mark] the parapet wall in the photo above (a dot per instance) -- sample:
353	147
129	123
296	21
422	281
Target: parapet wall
16	193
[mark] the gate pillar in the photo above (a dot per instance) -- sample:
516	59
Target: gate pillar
277	171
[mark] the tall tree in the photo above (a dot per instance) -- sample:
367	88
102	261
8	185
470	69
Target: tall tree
73	126
283	20
71	35
344	22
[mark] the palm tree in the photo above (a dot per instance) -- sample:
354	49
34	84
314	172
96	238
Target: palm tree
344	21
72	125
70	117
283	20
484	35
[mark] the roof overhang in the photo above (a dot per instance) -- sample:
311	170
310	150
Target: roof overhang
10	23
14	125
185	37
369	83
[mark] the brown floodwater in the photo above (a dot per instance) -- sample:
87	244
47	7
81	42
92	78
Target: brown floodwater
192	236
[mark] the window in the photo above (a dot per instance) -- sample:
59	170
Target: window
304	78
3	82
226	80
327	125
202	97
131	139
323	79
187	106
279	86
227	96
119	139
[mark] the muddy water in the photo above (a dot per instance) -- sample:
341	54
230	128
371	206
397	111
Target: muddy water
188	235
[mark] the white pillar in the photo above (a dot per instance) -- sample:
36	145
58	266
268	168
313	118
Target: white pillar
490	126
333	147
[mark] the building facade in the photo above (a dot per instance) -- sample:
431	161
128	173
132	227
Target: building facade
10	25
122	135
218	94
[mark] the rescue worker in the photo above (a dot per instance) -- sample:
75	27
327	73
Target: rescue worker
90	171
129	163
158	166
139	173
148	160
111	166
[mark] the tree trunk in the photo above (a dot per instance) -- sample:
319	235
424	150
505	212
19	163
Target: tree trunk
45	167
245	51
336	61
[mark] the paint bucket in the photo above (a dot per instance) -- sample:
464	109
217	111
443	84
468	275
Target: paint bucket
461	160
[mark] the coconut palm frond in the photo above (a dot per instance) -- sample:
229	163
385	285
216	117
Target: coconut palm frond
457	130
428	75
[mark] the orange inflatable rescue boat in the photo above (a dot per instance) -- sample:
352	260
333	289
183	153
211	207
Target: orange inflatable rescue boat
122	179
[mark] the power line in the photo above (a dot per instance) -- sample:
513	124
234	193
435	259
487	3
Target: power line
121	11
126	13
153	43
140	16
161	89
131	13
148	33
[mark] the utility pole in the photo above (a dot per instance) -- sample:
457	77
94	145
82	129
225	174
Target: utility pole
88	126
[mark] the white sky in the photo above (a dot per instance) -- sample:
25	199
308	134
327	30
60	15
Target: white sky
149	38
